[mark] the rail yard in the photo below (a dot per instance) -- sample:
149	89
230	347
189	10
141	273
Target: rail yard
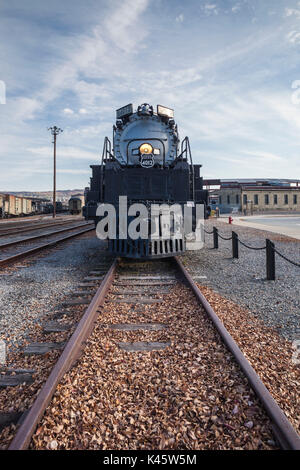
149	231
104	353
131	329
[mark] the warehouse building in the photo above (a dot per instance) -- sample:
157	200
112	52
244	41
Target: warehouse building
250	196
284	198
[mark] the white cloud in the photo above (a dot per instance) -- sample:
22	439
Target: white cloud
68	111
122	26
64	153
226	86
286	111
24	108
267	156
293	37
210	9
99	54
236	8
70	171
293	12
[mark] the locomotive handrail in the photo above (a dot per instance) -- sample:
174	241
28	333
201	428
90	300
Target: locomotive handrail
186	149
105	153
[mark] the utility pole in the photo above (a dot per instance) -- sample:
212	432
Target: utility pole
54	131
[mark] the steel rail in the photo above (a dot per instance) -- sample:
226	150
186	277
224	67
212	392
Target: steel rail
25	218
43	235
32	251
286	435
32	227
69	355
33	220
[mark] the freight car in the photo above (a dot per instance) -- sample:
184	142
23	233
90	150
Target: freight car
47	208
15	206
148	165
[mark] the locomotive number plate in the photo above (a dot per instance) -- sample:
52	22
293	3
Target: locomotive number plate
147	161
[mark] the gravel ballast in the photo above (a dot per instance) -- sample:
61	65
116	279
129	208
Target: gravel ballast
262	316
32	298
29	293
269	353
243	280
190	394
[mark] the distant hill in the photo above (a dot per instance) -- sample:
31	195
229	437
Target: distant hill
61	195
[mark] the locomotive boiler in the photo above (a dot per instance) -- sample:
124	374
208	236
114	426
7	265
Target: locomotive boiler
149	165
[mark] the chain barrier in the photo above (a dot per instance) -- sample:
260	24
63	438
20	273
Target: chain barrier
223	238
269	247
252	247
287	259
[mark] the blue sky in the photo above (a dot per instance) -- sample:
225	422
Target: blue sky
230	69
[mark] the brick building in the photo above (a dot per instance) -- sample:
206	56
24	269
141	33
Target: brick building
261	199
249	196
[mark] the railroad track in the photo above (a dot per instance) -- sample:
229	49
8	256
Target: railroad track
19	228
150	366
10	221
15	250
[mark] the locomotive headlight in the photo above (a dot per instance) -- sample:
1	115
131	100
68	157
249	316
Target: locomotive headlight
146	148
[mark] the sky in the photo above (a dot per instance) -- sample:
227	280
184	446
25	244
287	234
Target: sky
230	70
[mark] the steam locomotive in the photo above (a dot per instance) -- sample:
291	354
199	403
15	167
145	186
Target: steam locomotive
147	164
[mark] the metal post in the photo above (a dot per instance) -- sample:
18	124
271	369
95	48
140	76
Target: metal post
270	260
235	245
54	177
216	238
54	131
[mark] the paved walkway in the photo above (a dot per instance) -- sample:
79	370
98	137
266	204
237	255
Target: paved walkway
288	225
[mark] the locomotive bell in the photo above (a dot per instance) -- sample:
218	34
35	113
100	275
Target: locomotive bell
145	109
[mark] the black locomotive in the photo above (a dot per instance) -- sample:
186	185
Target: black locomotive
147	164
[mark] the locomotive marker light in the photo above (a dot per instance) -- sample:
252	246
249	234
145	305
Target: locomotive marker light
54	131
124	111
